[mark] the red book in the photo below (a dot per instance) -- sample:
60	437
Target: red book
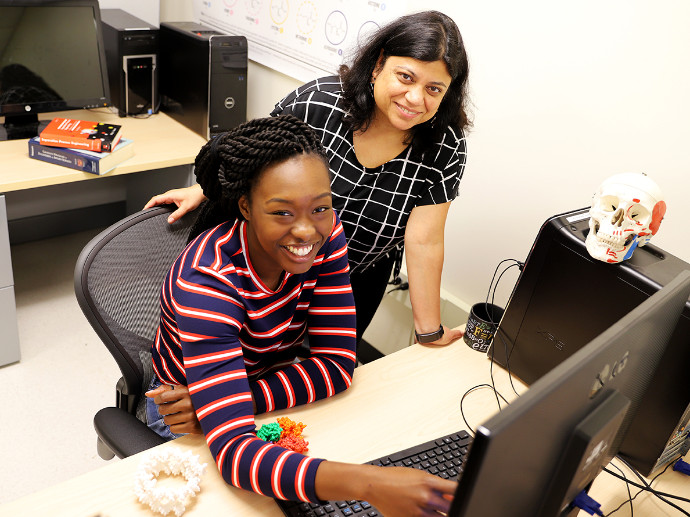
81	134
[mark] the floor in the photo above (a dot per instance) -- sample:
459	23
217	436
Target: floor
65	375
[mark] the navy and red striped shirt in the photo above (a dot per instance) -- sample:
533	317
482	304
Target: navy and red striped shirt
228	337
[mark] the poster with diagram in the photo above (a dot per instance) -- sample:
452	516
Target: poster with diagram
303	39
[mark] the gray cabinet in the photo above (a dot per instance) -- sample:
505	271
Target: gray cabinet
9	335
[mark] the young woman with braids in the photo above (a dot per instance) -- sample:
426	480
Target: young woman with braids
267	262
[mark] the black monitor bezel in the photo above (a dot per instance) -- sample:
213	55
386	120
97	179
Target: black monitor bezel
25	113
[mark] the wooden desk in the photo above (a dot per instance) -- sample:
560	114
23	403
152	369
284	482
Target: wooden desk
370	419
159	142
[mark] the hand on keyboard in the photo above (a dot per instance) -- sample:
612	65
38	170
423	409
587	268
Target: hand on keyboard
425	494
405	485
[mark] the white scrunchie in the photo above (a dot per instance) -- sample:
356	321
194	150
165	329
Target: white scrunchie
171	461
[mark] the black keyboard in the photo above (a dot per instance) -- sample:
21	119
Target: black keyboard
443	457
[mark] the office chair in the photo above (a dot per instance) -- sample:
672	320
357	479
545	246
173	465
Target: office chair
117	280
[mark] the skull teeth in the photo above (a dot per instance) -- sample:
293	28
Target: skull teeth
610	241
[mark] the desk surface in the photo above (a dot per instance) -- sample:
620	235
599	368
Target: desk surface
159	142
365	422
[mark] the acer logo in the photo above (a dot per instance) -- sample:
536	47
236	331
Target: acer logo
548	336
608	373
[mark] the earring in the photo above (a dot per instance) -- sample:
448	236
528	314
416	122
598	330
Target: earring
432	121
371	84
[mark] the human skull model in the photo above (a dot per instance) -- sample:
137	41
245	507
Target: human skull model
627	210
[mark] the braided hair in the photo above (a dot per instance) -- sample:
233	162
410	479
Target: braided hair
228	165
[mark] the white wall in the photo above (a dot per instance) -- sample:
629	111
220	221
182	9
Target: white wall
565	94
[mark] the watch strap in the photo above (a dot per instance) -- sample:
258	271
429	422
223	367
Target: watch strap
428	337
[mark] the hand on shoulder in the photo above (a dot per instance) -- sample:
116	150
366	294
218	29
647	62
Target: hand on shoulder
186	199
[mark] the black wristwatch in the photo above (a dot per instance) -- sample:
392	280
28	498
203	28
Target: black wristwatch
429	336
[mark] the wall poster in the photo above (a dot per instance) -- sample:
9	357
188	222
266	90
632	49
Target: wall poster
303	39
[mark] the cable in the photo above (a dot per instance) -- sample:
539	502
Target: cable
491	293
682	467
645	486
517	262
648	485
521	266
628	483
586	503
510	376
402	286
473	388
630	496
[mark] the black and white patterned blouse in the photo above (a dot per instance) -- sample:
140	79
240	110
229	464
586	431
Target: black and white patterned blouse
375	204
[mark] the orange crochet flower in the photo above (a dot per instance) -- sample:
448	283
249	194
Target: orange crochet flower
291	428
294	443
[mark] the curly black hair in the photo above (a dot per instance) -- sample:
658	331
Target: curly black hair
229	164
425	36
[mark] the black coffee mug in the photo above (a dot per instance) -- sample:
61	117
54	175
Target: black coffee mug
481	325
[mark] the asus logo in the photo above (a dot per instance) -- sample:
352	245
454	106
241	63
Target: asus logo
548	336
608	373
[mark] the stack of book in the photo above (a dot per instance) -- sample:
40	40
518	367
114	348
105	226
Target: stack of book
87	146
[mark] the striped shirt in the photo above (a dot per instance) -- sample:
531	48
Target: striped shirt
228	337
374	204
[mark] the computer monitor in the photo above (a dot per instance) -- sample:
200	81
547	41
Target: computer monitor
542	450
564	298
51	59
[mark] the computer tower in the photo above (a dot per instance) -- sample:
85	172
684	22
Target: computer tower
564	298
131	52
203	77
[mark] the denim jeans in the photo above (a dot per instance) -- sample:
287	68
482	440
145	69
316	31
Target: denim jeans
154	419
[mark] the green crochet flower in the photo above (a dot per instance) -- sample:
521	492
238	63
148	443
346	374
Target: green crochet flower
270	432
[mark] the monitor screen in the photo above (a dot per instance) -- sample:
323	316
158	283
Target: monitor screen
51	59
537	454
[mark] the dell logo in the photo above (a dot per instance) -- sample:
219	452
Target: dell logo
595	454
229	103
608	373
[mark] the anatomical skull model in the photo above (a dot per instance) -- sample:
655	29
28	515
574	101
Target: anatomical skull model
627	210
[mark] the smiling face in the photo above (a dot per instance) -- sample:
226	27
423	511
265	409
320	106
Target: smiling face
289	216
408	91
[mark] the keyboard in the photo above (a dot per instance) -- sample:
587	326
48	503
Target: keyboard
443	457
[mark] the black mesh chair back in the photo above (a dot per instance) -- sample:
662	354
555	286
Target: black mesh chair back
118	279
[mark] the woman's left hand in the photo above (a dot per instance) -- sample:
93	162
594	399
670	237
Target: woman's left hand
449	336
175	405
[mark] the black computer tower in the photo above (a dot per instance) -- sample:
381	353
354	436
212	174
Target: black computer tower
203	77
564	298
131	52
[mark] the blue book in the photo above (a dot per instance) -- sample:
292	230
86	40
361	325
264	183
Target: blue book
85	161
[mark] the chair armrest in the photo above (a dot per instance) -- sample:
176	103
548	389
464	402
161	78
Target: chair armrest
124	433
